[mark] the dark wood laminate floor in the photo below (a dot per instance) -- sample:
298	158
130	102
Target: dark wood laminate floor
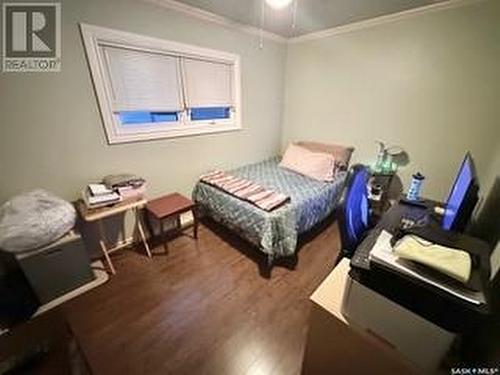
203	308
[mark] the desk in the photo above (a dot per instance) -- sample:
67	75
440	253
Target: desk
419	300
337	346
364	322
99	214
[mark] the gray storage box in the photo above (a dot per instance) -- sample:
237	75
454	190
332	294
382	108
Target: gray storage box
58	268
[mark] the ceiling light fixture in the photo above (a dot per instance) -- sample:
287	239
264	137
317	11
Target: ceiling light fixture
278	4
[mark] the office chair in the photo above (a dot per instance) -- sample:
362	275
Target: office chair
353	215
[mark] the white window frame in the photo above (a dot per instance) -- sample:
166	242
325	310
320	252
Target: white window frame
96	36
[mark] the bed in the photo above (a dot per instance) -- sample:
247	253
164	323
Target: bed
276	232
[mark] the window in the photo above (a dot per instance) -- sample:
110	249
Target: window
149	88
210	113
141	117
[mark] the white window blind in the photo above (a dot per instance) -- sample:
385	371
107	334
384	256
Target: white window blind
208	84
143	80
150	88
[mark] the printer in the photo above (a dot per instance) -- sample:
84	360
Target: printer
412	307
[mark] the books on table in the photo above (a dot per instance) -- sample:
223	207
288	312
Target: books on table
125	187
98	195
99	189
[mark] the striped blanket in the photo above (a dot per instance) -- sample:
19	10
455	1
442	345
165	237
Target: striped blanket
252	192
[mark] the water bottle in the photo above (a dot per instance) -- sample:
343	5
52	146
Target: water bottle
415	187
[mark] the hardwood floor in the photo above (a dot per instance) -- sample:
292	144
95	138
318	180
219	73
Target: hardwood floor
202	308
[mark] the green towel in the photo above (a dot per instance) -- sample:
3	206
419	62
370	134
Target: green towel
452	262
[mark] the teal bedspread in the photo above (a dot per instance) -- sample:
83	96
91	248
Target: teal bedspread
275	232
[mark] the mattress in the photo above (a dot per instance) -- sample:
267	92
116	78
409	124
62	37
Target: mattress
275	232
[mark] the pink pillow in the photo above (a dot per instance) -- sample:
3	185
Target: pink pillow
341	154
317	165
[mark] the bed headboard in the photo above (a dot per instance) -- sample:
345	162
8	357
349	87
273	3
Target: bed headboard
342	154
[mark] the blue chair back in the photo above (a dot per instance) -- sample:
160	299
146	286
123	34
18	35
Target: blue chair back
354	210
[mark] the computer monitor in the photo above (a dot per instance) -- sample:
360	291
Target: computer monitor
462	198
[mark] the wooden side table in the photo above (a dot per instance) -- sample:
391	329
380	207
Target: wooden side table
98	214
172	206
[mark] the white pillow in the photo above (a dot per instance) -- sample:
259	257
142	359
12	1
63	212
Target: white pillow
317	165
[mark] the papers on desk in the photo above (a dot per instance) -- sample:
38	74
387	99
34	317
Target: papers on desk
382	254
97	190
97	195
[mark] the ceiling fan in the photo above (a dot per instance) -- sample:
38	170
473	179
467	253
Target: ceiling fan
277	5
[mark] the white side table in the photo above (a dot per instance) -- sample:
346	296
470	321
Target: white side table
99	214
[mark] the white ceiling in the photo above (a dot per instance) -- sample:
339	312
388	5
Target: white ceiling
312	15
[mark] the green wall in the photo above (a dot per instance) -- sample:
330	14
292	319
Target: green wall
51	131
430	83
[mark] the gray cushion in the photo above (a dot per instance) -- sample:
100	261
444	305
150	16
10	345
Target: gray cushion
33	220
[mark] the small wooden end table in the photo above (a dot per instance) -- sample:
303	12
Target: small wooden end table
172	206
98	214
